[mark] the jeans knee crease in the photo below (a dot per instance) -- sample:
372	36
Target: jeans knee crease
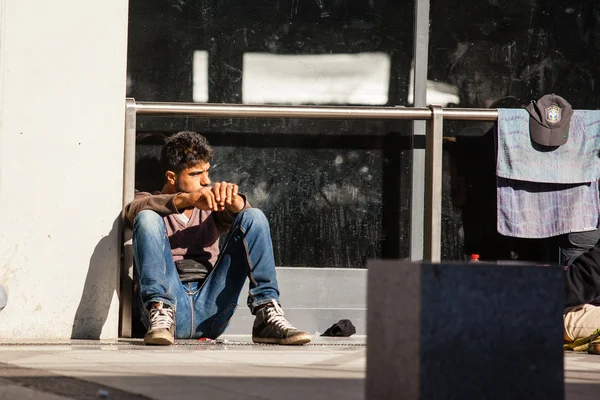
250	264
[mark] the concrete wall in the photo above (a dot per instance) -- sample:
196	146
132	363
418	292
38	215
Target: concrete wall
62	90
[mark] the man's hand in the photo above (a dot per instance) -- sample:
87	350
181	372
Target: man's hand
226	197
204	199
221	196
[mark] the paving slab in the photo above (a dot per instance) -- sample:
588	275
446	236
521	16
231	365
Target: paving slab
327	369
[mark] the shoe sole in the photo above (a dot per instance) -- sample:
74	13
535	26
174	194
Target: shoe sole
158	340
294	340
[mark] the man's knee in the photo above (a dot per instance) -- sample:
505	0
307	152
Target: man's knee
148	221
253	217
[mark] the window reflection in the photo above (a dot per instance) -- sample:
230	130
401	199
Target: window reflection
361	78
200	76
438	93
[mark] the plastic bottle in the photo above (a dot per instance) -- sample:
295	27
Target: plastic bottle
474	258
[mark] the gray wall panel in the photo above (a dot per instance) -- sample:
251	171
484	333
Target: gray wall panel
313	299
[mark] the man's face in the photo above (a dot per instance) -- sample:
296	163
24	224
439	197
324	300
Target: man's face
190	179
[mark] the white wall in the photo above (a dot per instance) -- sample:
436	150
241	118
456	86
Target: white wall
62	91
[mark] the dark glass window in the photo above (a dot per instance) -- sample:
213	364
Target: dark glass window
504	53
321	183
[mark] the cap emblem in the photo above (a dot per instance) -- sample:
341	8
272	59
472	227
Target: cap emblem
553	114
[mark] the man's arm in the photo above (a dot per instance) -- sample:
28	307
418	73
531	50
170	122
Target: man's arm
582	278
162	204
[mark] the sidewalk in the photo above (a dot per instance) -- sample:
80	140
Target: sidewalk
329	368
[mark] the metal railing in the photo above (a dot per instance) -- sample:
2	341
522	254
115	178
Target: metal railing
316	112
433	115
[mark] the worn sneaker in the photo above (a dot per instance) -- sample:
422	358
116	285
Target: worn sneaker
590	343
270	326
162	326
594	347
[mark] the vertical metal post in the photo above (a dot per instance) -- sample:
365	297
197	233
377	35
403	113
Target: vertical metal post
126	270
420	57
433	186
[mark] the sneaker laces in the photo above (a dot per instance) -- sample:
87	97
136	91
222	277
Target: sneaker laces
161	317
275	317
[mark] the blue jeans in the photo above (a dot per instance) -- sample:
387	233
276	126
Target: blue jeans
204	310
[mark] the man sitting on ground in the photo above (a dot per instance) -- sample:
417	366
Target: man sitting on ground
188	288
582	300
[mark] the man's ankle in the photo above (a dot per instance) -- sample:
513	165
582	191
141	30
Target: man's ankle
261	306
158	304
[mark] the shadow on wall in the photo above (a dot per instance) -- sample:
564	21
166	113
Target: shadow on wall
99	288
3	297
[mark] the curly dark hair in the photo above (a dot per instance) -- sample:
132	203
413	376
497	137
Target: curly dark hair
184	150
